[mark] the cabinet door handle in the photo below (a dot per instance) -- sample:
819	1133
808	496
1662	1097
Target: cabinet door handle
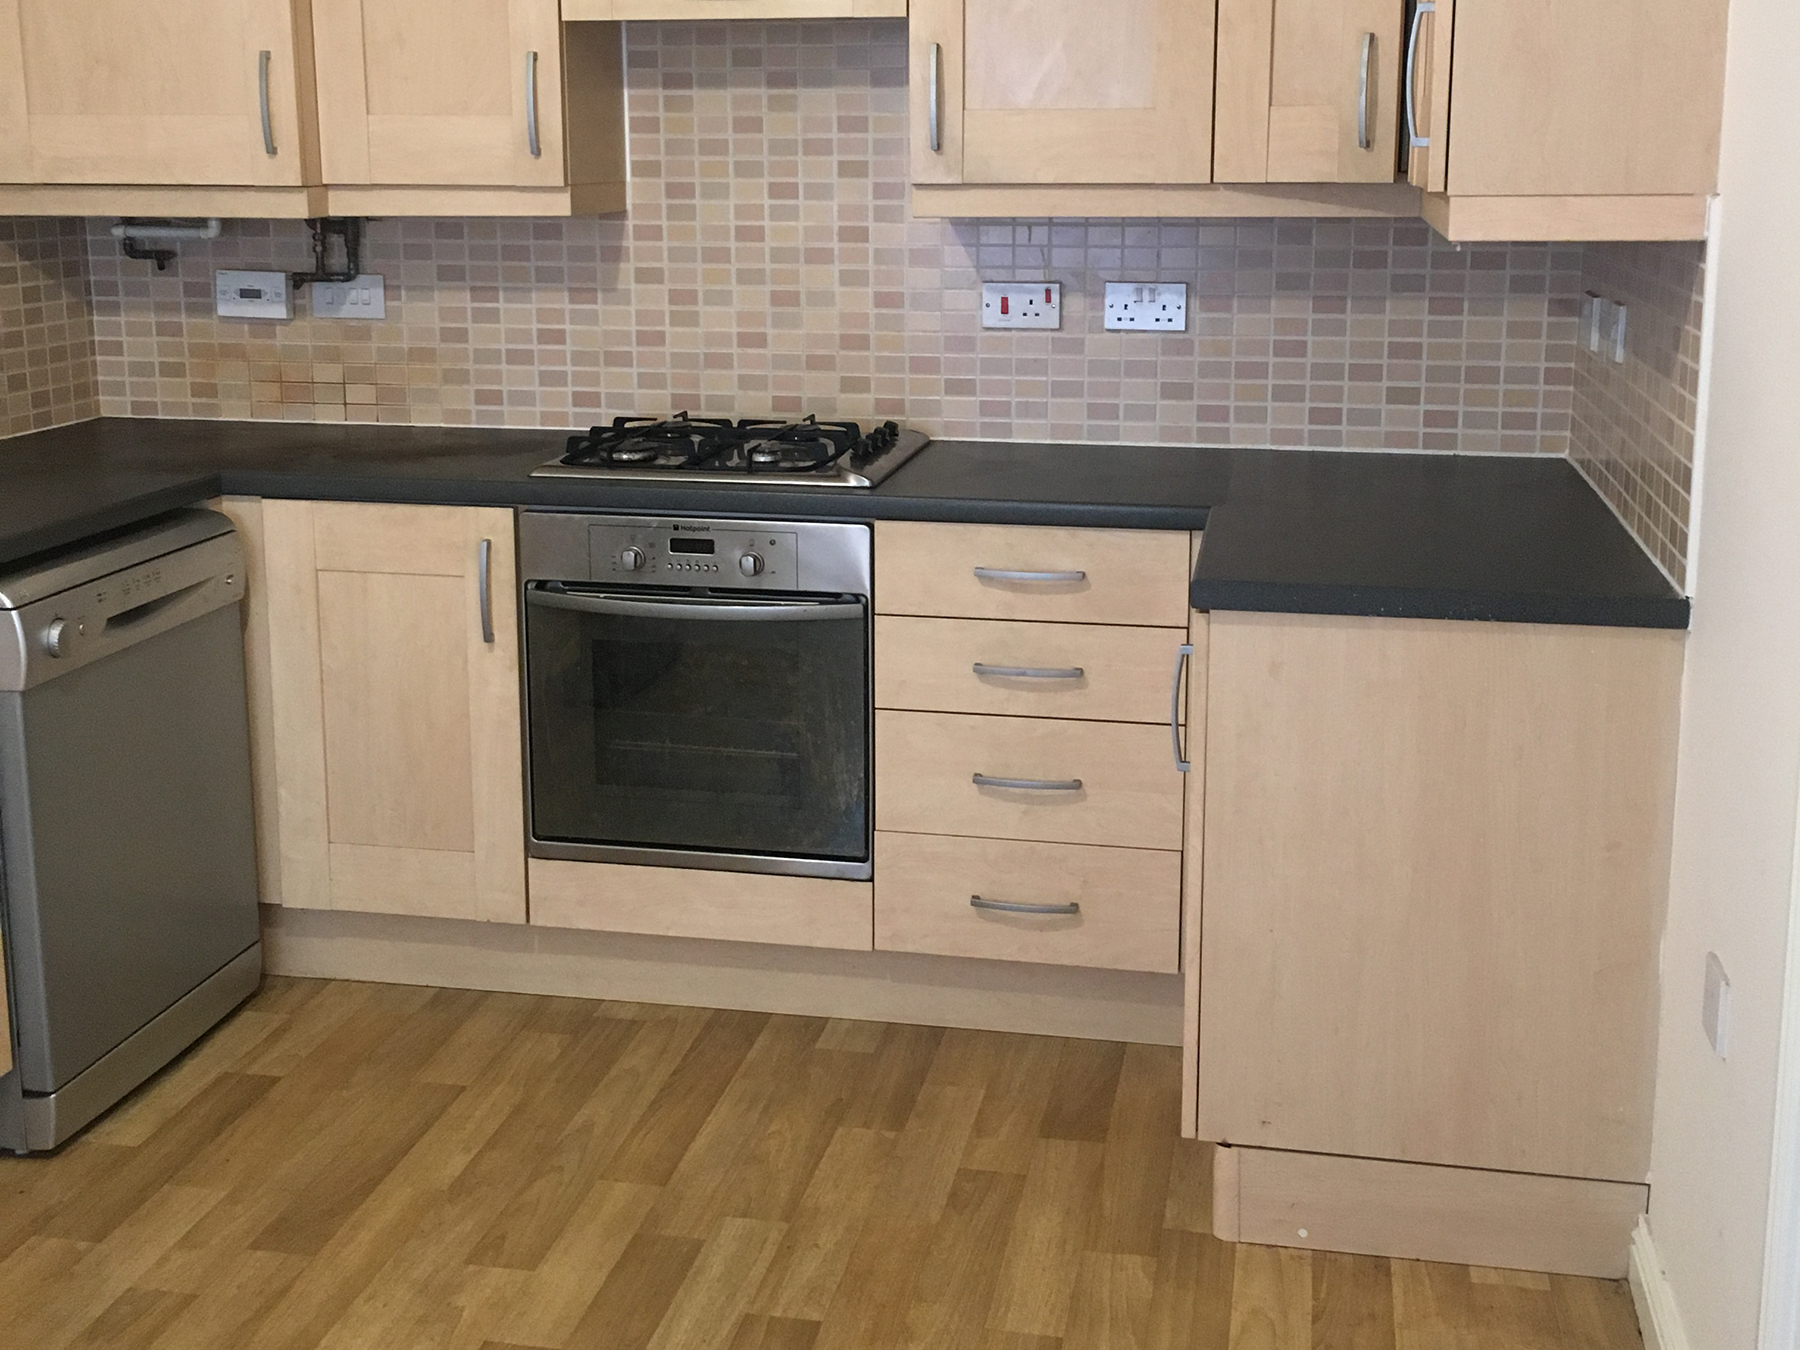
934	98
1028	784
484	588
1030	672
1006	574
531	106
1423	8
1021	907
262	98
1182	653
1363	90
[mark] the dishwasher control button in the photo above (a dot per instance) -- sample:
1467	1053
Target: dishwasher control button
631	559
751	564
59	637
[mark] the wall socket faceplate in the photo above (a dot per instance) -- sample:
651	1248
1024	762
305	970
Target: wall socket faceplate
1603	326
1021	304
1157	307
364	298
252	295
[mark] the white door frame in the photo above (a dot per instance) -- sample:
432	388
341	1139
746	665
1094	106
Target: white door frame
1781	1249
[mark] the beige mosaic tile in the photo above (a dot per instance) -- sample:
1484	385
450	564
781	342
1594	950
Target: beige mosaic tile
1634	423
769	265
46	336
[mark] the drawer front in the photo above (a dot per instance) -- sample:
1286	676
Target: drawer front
1025	669
1125	902
1073	576
1130	793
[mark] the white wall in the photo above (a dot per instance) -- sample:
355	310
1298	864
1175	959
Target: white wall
1740	748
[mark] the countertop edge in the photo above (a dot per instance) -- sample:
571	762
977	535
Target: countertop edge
1385	602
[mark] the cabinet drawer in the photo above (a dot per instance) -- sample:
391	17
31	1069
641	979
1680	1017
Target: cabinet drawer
1076	670
1127	901
1130	793
1073	576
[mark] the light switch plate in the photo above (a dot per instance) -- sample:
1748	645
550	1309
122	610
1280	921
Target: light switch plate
1715	1006
1155	307
364	298
252	295
1021	304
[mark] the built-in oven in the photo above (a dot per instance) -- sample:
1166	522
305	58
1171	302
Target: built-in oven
698	692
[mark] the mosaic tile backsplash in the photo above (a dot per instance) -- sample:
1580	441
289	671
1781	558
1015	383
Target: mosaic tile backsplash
46	335
768	264
1633	432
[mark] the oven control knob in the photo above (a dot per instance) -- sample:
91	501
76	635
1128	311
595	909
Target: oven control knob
751	564
631	559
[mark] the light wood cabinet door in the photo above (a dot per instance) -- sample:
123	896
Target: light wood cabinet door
1436	865
1308	91
441	92
396	721
204	92
1062	91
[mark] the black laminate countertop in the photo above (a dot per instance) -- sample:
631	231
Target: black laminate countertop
1317	532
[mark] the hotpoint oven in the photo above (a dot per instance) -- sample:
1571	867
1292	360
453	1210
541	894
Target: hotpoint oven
698	692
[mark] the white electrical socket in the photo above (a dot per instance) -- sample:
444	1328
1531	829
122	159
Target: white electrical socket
364	298
1715	1006
1021	304
252	295
1159	307
1603	327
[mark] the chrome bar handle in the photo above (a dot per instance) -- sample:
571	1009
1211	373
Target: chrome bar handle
1005	574
1182	653
1030	672
934	105
1021	907
262	95
1363	141
484	588
1029	784
1417	141
531	106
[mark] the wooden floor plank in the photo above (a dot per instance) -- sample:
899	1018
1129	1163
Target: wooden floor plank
367	1167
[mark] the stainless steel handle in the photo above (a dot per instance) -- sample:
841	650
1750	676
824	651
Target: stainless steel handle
700	610
262	95
1417	141
1020	907
484	588
1005	574
1363	141
531	106
1030	672
1182	653
934	98
1029	784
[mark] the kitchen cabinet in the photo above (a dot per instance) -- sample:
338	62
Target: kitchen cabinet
1435	866
468	107
393	719
104	107
1567	119
733	9
1308	91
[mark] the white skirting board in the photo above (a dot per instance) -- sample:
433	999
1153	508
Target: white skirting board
873	986
1658	1316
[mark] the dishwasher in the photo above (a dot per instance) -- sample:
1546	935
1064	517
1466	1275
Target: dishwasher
127	836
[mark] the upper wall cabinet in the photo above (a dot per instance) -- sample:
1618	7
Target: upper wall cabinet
1308	91
472	107
734	9
210	96
1566	119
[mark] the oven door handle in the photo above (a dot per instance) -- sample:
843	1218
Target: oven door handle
704	610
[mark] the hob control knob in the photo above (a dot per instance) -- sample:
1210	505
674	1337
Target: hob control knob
631	559
751	564
57	637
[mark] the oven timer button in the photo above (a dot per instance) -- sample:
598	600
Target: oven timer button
631	559
751	564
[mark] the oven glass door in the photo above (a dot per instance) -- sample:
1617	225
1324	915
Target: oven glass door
715	724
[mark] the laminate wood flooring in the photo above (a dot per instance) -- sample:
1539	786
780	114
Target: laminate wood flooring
358	1166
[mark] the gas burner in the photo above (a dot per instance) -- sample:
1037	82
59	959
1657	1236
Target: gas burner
806	452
